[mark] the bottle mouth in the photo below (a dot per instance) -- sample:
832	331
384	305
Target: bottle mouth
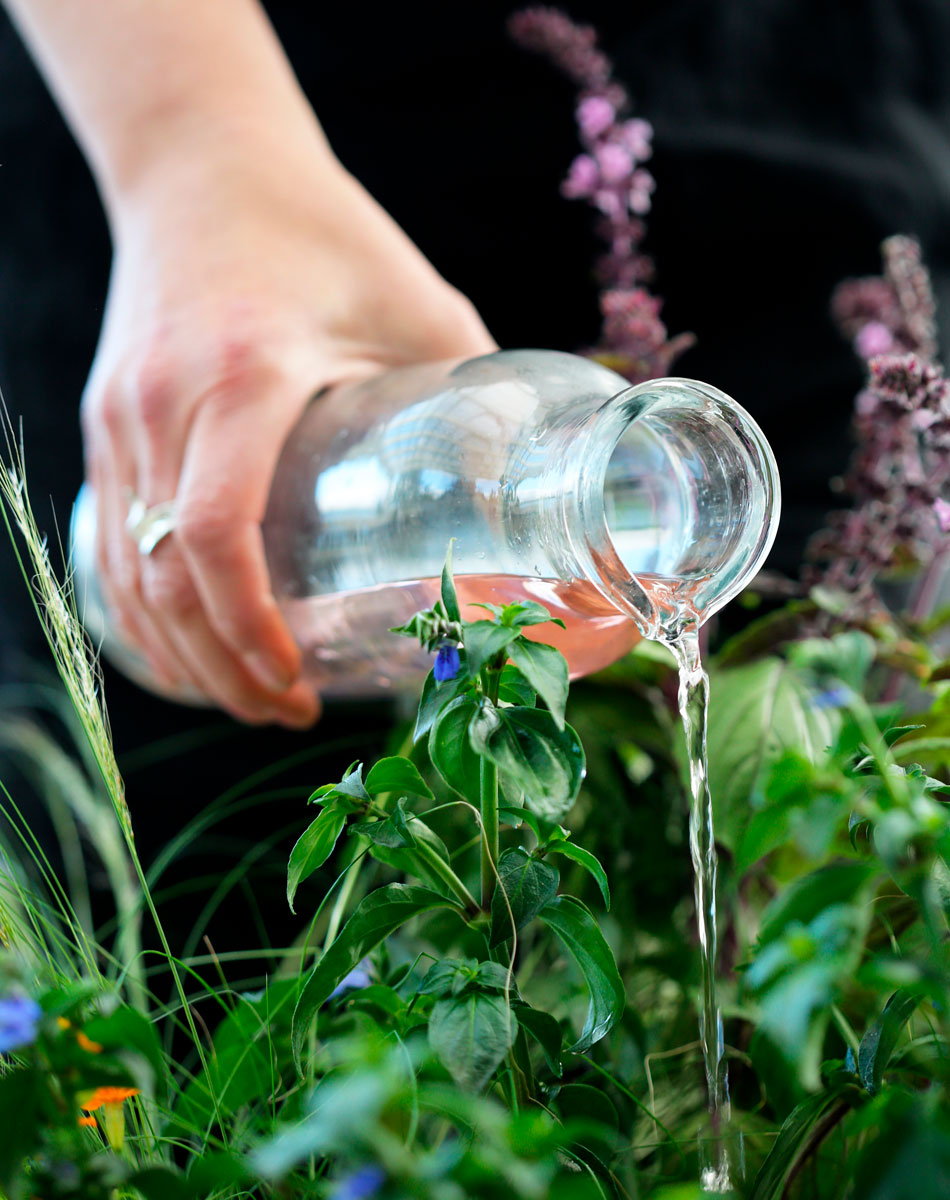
680	499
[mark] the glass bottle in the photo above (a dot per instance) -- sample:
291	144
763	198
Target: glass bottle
625	510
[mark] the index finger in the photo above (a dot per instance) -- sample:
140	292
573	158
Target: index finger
229	463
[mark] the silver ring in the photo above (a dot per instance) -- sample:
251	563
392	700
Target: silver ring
148	526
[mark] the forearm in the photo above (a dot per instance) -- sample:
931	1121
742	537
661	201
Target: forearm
143	80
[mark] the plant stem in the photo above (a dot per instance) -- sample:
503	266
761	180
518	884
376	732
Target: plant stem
488	803
438	866
488	797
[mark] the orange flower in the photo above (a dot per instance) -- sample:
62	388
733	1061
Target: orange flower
62	1022
87	1121
110	1099
87	1043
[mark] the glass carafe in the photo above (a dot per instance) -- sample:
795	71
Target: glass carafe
623	509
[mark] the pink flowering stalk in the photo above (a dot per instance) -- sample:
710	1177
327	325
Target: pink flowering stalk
892	313
610	176
900	469
898	475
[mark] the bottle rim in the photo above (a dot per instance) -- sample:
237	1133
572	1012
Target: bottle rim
653	607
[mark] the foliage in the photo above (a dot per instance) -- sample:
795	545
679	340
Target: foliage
470	1027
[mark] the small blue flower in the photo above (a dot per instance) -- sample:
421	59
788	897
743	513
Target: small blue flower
360	1184
446	662
834	697
359	977
849	1062
19	1016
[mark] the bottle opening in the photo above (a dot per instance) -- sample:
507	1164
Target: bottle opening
689	501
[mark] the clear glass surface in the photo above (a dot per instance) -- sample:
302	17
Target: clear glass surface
617	507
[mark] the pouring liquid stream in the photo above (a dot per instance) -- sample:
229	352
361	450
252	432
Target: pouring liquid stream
693	706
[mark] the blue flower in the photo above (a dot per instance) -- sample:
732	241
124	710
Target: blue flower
19	1016
833	697
360	1184
359	977
446	662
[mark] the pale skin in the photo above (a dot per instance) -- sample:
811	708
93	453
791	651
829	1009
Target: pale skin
249	271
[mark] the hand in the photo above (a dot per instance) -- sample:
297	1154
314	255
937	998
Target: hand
244	280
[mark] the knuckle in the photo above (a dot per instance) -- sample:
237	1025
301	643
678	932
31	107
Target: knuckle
206	531
104	410
154	390
167	588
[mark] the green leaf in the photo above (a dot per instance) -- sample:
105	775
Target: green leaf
20	1098
806	898
494	977
879	1042
397	774
162	1183
374	919
528	612
435	697
756	712
393	831
215	1172
585	859
532	755
240	1069
529	883
441	978
350	786
574	924
470	1035
846	656
451	750
313	848
546	670
509	815
896	732
404	859
909	1158
545	1031
513	688
483	640
128	1029
802	1129
450	600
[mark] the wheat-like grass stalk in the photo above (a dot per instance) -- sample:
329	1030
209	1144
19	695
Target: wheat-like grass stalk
78	667
75	659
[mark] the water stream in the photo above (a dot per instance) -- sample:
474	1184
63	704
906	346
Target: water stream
693	701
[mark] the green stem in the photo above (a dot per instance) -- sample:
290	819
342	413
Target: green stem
488	802
438	866
358	845
488	795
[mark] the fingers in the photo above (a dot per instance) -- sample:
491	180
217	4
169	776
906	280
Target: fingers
207	585
111	471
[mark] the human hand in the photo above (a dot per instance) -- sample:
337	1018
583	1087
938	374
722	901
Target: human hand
244	280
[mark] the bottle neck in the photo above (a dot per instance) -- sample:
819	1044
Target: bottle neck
670	503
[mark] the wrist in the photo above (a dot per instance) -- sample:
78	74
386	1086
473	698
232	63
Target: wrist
198	147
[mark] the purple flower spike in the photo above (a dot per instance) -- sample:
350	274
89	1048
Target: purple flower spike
19	1016
873	339
582	178
608	178
595	115
447	662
